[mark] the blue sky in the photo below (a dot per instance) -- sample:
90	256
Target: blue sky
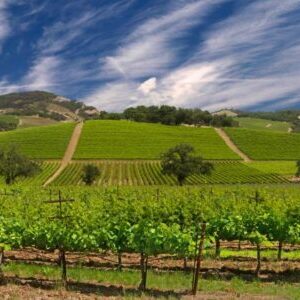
210	54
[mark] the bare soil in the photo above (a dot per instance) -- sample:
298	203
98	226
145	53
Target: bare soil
232	145
25	289
244	267
69	152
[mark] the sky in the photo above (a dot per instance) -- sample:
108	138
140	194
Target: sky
209	54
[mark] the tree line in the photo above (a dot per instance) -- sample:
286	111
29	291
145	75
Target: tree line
170	115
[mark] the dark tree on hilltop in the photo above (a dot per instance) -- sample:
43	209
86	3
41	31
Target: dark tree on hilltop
298	169
180	162
14	164
90	174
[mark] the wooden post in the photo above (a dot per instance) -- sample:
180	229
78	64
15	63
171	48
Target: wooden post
280	244
257	271
199	258
62	219
218	248
144	270
120	261
63	264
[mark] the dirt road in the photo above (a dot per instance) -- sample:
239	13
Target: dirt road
231	145
68	154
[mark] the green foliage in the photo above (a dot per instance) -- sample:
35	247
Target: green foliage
180	162
135	220
264	145
170	115
144	173
144	222
13	164
8	122
131	140
47	142
90	174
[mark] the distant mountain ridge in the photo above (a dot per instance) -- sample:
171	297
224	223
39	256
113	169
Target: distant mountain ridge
45	104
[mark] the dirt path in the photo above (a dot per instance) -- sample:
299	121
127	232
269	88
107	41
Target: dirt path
231	145
68	154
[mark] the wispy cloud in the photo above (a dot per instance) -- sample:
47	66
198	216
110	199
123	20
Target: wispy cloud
56	65
4	21
150	50
183	53
249	59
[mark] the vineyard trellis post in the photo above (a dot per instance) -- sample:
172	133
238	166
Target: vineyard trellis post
198	259
61	217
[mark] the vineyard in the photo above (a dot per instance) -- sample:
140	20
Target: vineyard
47	142
140	173
284	168
263	145
148	224
131	140
46	170
261	124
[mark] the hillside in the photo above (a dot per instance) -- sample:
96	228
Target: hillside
263	124
44	104
47	142
132	140
266	145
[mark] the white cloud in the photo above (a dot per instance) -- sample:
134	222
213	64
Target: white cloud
249	59
148	86
151	48
44	73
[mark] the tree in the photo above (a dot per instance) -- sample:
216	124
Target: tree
181	162
90	174
13	164
298	169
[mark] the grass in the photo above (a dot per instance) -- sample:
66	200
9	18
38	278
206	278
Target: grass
158	280
48	142
285	168
47	169
255	123
264	145
251	253
131	140
141	173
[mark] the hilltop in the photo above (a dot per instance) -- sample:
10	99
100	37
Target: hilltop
45	105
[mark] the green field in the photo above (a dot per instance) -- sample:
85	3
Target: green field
264	145
130	140
143	173
286	168
255	123
40	142
47	169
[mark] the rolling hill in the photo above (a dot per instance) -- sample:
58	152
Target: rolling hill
263	124
266	145
44	104
131	140
47	142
